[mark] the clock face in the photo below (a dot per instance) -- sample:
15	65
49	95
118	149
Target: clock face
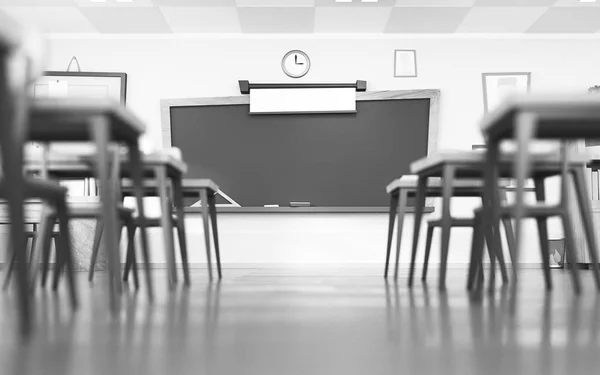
295	64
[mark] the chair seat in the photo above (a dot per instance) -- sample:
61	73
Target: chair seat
466	222
475	159
531	210
410	182
95	210
38	188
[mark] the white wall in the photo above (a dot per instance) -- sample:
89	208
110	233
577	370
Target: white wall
186	67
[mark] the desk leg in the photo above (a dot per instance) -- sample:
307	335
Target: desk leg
166	221
524	129
205	218
178	200
392	218
542	223
586	214
212	207
401	211
99	128
419	208
491	208
12	115
136	174
448	180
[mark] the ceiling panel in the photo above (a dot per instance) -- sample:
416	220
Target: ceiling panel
351	19
47	3
354	4
500	19
199	3
425	19
277	20
568	20
202	19
435	3
514	3
275	3
55	19
127	20
575	3
115	3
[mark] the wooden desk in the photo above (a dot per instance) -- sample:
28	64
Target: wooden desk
158	170
525	118
102	122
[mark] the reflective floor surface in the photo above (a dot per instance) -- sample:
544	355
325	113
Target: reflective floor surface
310	321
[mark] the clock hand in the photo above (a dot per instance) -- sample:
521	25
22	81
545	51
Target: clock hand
296	60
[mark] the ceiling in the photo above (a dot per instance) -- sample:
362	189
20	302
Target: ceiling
308	16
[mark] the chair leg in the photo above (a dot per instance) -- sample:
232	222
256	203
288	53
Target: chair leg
11	264
212	206
95	248
428	241
166	220
524	128
45	242
32	250
205	218
492	244
391	221
181	232
542	223
448	179
570	249
419	208
586	216
130	263
401	211
499	253
476	243
67	250
136	168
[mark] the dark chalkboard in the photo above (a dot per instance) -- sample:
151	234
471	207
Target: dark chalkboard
330	160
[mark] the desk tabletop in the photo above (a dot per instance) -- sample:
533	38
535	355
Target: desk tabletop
475	159
77	166
559	116
68	120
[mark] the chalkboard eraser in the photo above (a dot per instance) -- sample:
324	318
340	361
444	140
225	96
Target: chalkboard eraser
271	205
299	204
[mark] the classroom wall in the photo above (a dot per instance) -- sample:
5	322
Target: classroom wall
187	66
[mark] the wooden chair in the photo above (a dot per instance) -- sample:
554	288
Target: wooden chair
572	167
406	187
523	118
20	65
203	189
452	166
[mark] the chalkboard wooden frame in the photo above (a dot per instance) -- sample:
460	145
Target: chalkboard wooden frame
432	94
432	135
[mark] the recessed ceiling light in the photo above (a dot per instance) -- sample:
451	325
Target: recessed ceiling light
124	1
370	1
587	1
97	1
343	1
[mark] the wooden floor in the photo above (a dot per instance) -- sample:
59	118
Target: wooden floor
311	321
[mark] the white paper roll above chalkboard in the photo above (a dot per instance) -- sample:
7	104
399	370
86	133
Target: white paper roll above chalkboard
303	100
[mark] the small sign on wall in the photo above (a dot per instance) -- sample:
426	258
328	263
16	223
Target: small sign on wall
405	63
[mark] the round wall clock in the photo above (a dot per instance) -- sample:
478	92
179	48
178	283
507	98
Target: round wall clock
295	64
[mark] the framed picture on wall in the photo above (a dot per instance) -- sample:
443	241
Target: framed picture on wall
405	63
90	85
496	86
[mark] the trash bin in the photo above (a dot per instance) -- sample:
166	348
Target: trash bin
557	253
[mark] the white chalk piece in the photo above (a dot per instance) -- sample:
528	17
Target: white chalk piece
58	89
271	205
